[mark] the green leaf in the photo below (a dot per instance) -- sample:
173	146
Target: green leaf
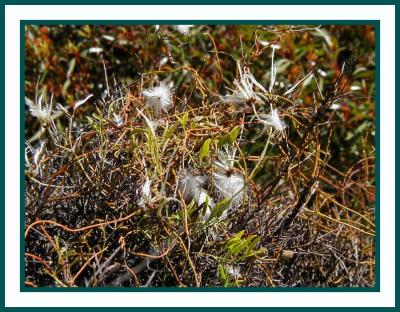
168	132
71	67
191	208
223	140
223	275
230	137
222	272
234	243
250	243
244	244
65	87
196	119
219	208
233	134
242	248
205	149
184	120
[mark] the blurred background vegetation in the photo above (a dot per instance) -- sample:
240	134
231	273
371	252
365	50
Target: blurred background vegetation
67	61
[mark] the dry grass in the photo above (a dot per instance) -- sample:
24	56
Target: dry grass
301	219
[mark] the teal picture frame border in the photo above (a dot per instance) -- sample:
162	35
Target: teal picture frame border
222	2
200	2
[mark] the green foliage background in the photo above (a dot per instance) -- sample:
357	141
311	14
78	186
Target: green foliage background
59	60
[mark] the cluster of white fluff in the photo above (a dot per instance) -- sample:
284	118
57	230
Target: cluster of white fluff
191	187
158	98
249	91
231	187
183	29
118	120
36	154
272	120
247	88
233	271
40	110
146	194
228	184
226	158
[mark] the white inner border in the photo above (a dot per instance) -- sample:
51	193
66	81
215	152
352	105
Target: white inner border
13	15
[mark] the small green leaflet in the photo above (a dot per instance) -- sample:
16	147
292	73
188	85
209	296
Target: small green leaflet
183	120
230	137
205	149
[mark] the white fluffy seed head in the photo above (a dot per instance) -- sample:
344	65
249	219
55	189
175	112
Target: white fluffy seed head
203	198
39	110
36	154
230	187
247	88
190	184
184	29
146	193
273	120
233	271
118	120
191	187
225	159
146	188
158	98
